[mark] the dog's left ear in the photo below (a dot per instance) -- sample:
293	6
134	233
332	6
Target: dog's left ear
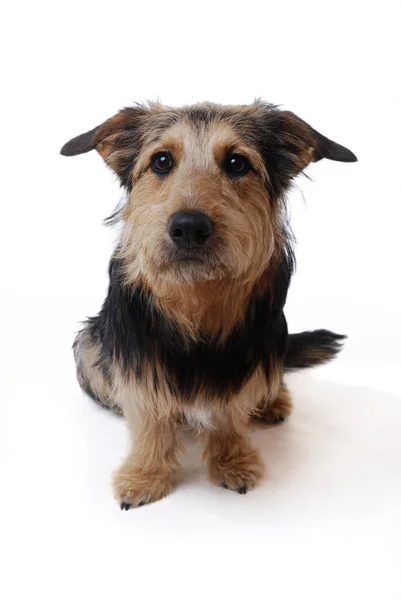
310	144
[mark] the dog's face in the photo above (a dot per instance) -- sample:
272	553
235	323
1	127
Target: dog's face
198	208
205	186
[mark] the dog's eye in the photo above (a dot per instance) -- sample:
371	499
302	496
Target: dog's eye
161	163
236	165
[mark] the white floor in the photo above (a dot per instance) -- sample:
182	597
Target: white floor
326	521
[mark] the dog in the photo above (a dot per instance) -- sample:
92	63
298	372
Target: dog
192	332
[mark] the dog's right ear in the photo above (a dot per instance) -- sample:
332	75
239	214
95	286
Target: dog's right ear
103	138
118	141
80	144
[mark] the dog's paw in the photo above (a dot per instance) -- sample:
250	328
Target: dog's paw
274	414
134	488
279	410
240	473
240	490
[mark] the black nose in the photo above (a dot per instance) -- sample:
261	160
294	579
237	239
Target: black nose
189	229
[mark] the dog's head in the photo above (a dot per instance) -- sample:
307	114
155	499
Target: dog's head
205	186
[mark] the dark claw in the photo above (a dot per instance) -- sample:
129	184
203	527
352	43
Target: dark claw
242	490
125	506
142	503
224	485
280	419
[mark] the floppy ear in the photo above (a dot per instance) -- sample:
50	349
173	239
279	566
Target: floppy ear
312	145
80	144
117	140
103	138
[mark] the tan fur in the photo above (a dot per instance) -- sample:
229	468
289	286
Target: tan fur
276	409
154	419
212	307
147	473
232	463
318	355
210	296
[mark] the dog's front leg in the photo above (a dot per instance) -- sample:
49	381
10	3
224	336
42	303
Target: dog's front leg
232	462
147	473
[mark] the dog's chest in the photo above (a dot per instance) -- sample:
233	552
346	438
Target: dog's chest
209	370
152	349
204	414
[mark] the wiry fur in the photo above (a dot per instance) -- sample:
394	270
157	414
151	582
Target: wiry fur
199	338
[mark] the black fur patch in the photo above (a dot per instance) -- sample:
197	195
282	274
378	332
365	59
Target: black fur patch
136	334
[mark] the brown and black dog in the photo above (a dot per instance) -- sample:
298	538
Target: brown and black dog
192	331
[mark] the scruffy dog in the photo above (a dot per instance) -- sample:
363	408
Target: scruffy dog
192	332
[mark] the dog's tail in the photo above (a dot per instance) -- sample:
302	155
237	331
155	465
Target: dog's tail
312	348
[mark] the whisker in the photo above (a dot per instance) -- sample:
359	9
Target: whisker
247	255
254	237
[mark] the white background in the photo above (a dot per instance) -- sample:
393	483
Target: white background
326	522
